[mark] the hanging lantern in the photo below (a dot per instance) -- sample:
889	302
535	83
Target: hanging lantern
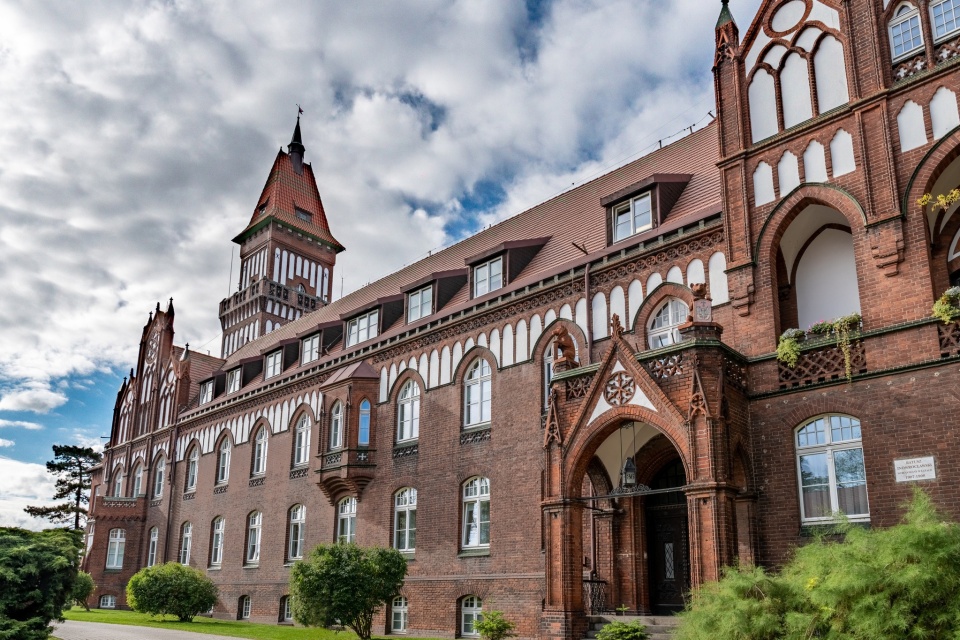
629	474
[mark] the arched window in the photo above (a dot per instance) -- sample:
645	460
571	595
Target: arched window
336	426
193	462
115	544
297	534
301	441
244	607
662	330
186	542
398	611
152	549
347	520
476	392
408	412
363	432
254	524
137	480
405	519
476	513
471	612
905	33
286	609
946	17
158	473
223	461
216	541
259	466
118	482
830	469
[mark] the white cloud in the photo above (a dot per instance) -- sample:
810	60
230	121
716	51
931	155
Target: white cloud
36	400
21	424
6	443
24	484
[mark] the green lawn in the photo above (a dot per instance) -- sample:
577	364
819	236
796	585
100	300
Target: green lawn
210	626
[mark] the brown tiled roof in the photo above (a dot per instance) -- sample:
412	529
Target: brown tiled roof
573	216
284	193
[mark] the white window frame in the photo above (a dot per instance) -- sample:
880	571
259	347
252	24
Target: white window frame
274	365
662	328
548	372
476	494
301	442
158	476
824	430
152	548
233	380
254	529
310	349
118	482
899	19
117	540
260	444
246	606
363	423
137	480
336	426
186	542
193	468
223	461
286	609
408	412
298	532
108	601
206	392
471	612
953	6
218	528
347	520
632	209
477	394
420	303
398	615
405	520
488	277
363	328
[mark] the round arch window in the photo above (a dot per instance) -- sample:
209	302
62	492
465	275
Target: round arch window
662	330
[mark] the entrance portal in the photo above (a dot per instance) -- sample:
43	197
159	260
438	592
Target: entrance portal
668	542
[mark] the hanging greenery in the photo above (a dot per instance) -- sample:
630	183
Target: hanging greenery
842	327
947	307
788	347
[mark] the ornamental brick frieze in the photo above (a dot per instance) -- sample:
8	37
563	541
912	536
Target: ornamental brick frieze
620	389
406	452
735	373
496	316
666	367
473	437
656	260
298	473
577	388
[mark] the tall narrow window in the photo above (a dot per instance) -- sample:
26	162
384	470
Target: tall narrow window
273	366
905	34
310	349
405	519
663	328
286	609
298	523
206	392
476	513
632	217
476	409
301	442
471	612
152	549
420	303
223	461
233	381
158	473
347	520
363	432
830	469
548	372
408	412
398	614
118	482
260	452
216	542
487	277
137	480
186	542
193	462
115	544
254	523
336	426
243	610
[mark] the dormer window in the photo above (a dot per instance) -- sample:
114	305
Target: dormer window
306	216
310	349
206	392
632	217
946	17
905	34
273	365
487	277
233	381
362	328
420	304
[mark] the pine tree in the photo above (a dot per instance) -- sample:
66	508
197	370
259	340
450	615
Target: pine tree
71	465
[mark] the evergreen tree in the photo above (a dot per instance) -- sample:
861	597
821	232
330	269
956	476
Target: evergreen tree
71	465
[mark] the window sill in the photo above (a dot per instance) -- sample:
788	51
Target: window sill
813	529
474	553
480	426
252	566
214	568
409	555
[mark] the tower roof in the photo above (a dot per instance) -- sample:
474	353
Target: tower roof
725	17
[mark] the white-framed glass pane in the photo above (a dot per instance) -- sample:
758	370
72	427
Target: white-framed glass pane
273	365
301	450
622	223
158	478
137	481
851	482
905	36
336	424
253	536
223	462
260	452
206	392
216	546
152	549
641	213
297	531
310	349
420	304
245	606
186	542
287	609
346	522
192	464
813	434
363	431
233	381
399	615
945	16
108	602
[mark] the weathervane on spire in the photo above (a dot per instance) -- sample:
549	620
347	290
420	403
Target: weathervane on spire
299	110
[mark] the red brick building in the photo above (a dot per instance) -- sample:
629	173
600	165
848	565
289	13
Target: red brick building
581	406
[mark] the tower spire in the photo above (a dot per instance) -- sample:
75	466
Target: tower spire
725	15
296	148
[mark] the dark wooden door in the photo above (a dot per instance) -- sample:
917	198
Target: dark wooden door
668	557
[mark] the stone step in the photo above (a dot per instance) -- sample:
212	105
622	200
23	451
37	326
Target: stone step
659	627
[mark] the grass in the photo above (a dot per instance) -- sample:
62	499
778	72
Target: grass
210	626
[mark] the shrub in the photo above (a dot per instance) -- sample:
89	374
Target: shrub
82	589
947	306
345	584
171	589
617	630
493	626
788	347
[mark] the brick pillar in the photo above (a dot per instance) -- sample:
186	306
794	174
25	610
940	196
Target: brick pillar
711	512
563	615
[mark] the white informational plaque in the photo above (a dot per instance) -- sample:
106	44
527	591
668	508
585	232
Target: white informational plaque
915	469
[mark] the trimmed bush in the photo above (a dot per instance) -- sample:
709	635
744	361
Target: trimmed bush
617	630
82	589
171	589
493	626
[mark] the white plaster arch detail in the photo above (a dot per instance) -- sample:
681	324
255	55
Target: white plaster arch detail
763	106
795	90
434	378
830	72
495	345
763	191
814	163
913	132
695	272
600	318
653	281
536	328
618	304
445	365
634	299
841	154
507	346
674	275
566	312
788	171
523	351
943	112
581	315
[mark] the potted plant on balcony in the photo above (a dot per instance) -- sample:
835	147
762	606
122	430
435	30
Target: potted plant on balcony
947	306
788	347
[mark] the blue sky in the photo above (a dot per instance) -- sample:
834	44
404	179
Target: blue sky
142	132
